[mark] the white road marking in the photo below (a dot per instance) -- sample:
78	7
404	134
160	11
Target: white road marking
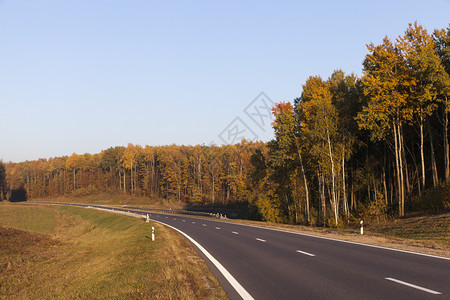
193	222
235	232
217	228
413	286
183	220
306	253
174	218
204	224
347	242
234	283
261	240
167	217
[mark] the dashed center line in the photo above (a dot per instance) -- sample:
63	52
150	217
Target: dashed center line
183	220
261	240
167	217
218	228
306	253
193	222
413	286
234	232
204	224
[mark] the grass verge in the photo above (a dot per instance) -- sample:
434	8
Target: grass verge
68	252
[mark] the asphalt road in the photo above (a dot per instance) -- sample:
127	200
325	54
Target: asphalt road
272	264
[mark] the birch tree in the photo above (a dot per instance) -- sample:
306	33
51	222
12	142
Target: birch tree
387	110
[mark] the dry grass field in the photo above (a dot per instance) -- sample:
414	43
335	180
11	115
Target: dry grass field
68	252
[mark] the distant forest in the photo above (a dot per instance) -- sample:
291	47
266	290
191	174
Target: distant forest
346	147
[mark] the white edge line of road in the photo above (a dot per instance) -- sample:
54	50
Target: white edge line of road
413	286
234	283
343	241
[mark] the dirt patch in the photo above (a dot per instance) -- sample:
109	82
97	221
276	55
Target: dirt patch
20	251
19	242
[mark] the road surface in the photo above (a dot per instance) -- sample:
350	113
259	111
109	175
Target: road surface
274	264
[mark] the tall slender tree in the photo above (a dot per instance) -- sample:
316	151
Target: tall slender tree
387	111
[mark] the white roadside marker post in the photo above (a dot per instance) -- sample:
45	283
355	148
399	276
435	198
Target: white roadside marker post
147	219
153	233
362	228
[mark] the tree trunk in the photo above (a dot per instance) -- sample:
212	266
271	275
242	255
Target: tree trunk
333	190
344	194
131	177
199	177
433	158
404	169
125	180
405	164
352	198
422	158
305	183
399	167
446	146
321	178
214	189
402	178
74	183
383	179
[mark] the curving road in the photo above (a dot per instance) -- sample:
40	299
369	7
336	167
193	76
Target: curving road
274	264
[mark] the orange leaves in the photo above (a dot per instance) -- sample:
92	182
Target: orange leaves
71	162
384	85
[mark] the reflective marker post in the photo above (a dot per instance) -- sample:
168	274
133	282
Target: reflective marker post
153	233
362	228
147	219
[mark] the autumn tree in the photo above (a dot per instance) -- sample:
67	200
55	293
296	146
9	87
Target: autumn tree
423	66
442	41
385	86
321	130
286	153
72	166
110	162
213	159
2	181
345	93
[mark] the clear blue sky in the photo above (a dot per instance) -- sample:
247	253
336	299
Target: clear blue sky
81	76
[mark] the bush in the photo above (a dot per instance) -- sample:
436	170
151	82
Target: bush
270	209
82	192
332	223
18	195
375	209
436	198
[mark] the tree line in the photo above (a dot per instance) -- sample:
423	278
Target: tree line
380	140
185	174
348	145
